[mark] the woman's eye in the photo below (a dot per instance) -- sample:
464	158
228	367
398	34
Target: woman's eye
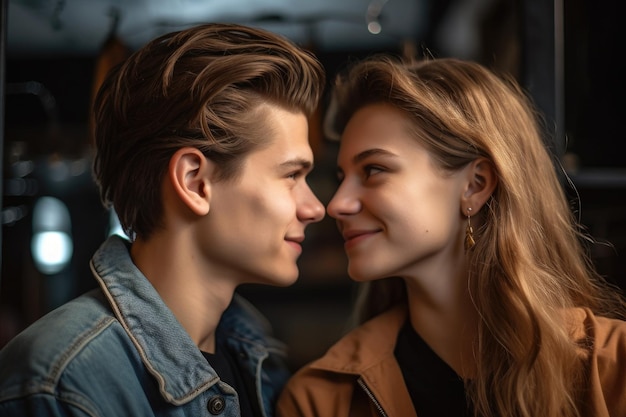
372	170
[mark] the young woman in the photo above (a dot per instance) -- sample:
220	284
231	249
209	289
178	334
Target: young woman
477	297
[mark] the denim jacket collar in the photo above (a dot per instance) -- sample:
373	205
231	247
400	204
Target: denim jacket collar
165	347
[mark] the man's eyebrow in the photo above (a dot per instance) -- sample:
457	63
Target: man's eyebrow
297	163
370	152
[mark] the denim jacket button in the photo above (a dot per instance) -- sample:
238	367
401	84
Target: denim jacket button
216	405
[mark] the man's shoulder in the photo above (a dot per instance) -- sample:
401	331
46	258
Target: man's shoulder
38	357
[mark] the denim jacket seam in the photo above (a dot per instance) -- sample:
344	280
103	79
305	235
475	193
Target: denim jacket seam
77	345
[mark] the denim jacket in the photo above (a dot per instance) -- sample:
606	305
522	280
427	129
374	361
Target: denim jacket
119	351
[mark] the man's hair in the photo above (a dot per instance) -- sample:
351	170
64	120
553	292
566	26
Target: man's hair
203	87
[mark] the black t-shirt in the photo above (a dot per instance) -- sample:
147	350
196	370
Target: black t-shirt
435	388
229	371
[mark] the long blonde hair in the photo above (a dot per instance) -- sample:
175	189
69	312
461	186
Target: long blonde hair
530	261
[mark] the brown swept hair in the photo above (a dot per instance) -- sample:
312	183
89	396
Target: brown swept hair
530	261
203	87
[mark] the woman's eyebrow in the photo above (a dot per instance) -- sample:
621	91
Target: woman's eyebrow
369	152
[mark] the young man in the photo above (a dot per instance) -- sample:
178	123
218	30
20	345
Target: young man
202	150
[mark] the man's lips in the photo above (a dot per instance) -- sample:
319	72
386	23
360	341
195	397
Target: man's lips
295	242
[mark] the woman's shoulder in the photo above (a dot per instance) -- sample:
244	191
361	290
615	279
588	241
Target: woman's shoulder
603	348
597	332
365	345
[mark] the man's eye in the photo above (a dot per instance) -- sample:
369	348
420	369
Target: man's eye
295	175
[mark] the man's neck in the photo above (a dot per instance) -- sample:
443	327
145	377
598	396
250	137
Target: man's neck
193	292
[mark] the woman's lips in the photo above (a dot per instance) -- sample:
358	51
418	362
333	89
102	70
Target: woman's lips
355	237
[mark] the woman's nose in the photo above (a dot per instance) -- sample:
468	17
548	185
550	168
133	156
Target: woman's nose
343	203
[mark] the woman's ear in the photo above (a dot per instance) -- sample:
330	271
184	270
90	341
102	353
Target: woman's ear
189	175
482	181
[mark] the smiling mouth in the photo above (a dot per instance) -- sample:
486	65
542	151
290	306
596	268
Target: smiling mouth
353	238
295	243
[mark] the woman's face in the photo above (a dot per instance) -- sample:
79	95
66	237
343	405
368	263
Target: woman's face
399	214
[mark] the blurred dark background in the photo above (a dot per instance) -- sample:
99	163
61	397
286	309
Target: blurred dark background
54	53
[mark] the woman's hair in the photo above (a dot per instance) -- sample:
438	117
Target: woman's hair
530	260
204	87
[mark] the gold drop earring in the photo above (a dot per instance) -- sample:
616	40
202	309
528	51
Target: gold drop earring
469	232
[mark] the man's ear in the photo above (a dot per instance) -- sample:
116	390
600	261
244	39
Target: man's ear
482	181
189	174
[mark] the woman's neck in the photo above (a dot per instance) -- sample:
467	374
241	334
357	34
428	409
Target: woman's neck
446	319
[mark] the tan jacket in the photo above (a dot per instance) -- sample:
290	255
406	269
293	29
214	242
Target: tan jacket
359	375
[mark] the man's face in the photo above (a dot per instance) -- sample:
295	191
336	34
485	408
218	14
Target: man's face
256	222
